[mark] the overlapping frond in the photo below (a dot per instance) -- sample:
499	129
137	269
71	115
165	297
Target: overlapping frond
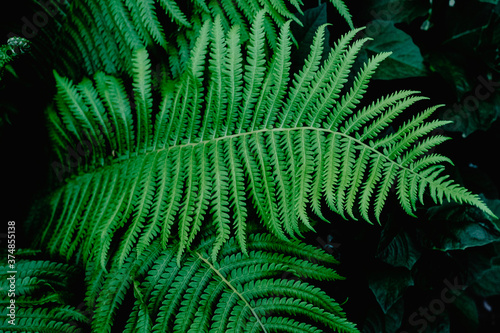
37	296
210	153
258	292
102	35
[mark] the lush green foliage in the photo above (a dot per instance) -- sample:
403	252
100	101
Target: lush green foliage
194	159
239	293
102	35
236	140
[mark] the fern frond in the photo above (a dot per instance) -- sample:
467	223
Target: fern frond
240	293
42	293
213	155
59	319
103	35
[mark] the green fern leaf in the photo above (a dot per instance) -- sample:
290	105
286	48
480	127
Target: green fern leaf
238	294
211	154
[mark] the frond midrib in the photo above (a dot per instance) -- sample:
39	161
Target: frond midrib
233	288
134	155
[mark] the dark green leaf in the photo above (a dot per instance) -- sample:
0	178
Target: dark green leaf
488	284
457	227
405	60
472	114
468	315
396	11
388	285
311	20
400	252
495	2
440	325
390	322
451	68
477	261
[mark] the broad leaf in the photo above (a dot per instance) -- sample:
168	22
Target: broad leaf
456	228
395	11
389	284
405	60
401	252
471	114
488	284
